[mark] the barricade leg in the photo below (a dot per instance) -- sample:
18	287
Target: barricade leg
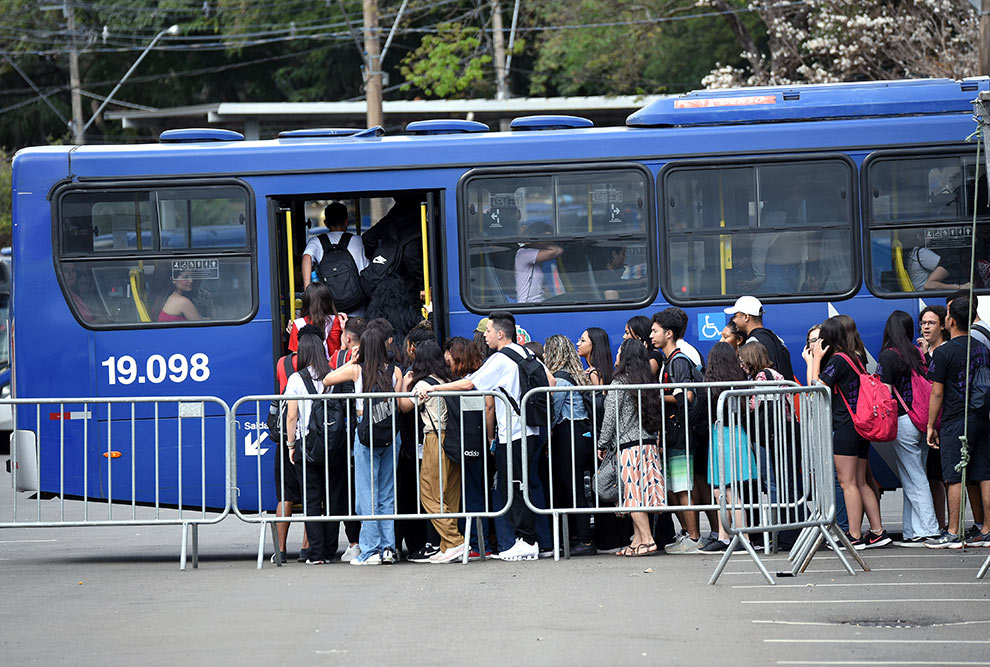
195	546
801	543
983	569
261	544
482	546
278	552
736	540
186	528
556	536
467	540
182	550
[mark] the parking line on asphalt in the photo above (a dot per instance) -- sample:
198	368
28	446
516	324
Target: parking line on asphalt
24	541
863	583
865	601
876	662
876	641
872	569
867	555
773	621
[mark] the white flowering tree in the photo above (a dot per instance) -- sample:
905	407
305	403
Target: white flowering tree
818	41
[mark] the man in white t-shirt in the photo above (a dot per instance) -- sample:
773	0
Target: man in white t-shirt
501	374
335	218
529	272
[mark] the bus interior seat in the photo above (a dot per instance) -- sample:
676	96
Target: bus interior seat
138	294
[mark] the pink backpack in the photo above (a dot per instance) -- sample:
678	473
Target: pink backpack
921	393
875	417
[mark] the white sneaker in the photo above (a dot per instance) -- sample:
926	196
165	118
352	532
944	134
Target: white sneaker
451	555
351	553
685	546
373	559
521	550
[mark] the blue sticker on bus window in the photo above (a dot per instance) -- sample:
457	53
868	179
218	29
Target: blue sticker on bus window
710	325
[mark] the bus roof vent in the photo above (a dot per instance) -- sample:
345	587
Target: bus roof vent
829	101
191	135
370	133
536	123
445	126
314	132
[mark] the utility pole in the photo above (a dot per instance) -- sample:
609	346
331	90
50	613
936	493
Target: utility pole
498	44
78	136
372	64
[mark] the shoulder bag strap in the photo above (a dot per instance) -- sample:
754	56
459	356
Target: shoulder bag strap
325	242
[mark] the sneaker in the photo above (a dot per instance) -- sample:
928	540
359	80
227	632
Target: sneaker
474	554
315	562
916	541
946	540
714	546
685	546
871	540
546	553
451	555
284	559
303	556
979	540
521	550
373	559
677	540
858	543
389	556
973	531
350	553
423	555
582	549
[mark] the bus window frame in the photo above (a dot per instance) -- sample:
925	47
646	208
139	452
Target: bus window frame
550	170
248	250
852	205
952	150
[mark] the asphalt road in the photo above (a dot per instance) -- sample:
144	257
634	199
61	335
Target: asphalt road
115	595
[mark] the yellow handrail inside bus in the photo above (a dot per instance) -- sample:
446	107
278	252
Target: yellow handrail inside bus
137	293
291	264
724	240
427	297
903	279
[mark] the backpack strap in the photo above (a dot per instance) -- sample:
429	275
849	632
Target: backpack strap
982	329
308	381
287	364
345	238
517	359
856	367
325	242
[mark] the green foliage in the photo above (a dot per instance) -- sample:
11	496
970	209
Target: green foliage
6	199
450	63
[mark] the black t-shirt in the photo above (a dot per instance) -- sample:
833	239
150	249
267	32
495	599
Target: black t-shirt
657	356
778	353
840	377
949	367
888	361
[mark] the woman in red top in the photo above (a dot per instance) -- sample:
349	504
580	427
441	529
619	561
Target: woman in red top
318	309
177	306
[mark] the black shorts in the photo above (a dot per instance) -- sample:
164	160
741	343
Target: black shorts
950	449
846	441
291	482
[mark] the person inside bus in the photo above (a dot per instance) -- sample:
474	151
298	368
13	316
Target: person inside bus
611	278
530	279
318	310
924	267
79	285
175	304
335	218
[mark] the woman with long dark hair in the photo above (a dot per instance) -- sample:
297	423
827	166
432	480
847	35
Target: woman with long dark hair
439	476
571	447
594	347
730	460
630	425
638	328
371	371
899	360
174	301
312	364
318	309
835	364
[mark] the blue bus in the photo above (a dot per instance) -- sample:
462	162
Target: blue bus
817	199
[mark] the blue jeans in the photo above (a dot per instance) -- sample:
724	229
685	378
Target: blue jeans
911	456
374	489
474	500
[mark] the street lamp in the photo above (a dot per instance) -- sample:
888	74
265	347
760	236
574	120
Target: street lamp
171	30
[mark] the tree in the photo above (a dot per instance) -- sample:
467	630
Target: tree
449	63
818	41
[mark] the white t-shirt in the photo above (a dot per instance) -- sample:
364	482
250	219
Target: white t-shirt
296	386
921	262
315	249
529	276
690	350
500	372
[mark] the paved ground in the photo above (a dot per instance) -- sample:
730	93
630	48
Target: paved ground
116	596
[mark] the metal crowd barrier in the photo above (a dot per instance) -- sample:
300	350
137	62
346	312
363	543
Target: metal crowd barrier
121	461
336	502
784	482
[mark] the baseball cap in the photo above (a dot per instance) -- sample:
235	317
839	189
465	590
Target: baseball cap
482	325
749	305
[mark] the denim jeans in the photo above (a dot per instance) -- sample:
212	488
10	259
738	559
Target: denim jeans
374	482
473	474
912	455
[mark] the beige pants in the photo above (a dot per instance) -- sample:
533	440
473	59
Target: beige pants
436	466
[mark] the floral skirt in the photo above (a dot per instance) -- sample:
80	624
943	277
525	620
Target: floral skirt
641	476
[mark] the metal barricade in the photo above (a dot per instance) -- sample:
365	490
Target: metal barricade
121	461
784	488
776	472
340	486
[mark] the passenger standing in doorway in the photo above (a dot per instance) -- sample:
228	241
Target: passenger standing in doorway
335	217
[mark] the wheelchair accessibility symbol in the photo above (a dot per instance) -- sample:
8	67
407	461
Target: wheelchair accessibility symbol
710	326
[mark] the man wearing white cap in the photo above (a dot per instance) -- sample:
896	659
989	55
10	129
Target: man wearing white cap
747	313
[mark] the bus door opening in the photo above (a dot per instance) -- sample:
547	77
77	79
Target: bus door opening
395	244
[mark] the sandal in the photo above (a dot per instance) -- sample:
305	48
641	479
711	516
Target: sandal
626	551
646	549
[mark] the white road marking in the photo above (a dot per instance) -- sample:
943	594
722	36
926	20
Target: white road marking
872	569
876	641
865	601
866	583
24	541
853	625
874	662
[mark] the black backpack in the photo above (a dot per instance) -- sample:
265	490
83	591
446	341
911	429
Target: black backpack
276	410
377	426
326	427
338	272
697	411
532	374
384	262
463	419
